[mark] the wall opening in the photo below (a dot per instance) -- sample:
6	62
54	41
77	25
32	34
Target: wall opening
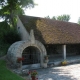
73	50
31	55
54	52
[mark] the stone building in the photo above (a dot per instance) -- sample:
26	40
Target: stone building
44	37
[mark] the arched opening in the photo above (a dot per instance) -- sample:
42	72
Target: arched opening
26	49
31	55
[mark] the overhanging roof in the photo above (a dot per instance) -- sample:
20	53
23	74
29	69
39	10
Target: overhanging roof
52	31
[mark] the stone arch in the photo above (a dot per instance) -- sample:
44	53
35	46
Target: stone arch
31	56
17	48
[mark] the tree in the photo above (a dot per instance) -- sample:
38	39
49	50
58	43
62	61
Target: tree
47	17
61	18
79	21
10	8
54	18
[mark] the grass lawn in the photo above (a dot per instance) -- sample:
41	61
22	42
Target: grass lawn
5	74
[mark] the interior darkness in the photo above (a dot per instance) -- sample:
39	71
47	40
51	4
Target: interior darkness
56	51
31	55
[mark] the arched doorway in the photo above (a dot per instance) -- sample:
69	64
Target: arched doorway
31	55
21	48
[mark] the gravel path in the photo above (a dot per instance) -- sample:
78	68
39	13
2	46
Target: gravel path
69	72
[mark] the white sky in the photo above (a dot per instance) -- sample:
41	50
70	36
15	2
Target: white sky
56	8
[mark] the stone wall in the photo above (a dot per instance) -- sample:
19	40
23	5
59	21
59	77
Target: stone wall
17	48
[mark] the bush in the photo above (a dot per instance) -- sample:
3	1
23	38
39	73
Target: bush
3	48
8	35
4	27
63	63
11	36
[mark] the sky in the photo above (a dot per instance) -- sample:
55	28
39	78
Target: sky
56	8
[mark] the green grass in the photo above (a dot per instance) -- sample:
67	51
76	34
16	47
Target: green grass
6	74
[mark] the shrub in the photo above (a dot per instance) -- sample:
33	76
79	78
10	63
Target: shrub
4	27
8	34
11	36
64	63
3	48
33	73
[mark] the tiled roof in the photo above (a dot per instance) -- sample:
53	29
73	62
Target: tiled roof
52	31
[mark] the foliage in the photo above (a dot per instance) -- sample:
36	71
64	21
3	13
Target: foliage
8	34
79	21
63	18
5	74
47	17
64	63
3	48
54	18
4	27
60	18
5	42
10	8
33	73
11	36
